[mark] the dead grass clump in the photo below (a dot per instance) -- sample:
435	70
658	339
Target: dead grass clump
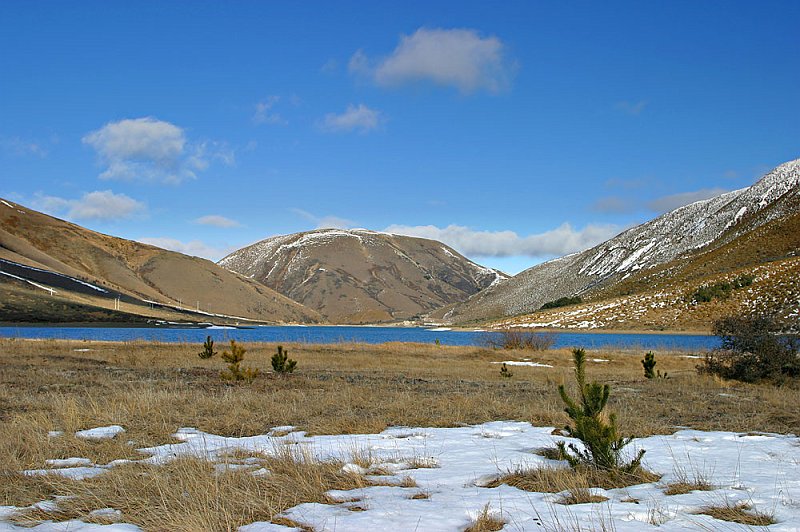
486	521
580	496
682	487
21	490
741	513
190	494
558	479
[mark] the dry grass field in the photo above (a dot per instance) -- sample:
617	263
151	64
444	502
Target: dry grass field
153	389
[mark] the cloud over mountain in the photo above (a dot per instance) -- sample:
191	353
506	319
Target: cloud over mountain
559	241
97	205
148	149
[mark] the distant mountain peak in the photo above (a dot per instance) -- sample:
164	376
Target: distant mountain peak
360	275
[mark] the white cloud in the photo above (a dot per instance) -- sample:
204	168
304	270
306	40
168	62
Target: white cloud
265	113
632	108
559	241
326	222
358	117
195	248
460	58
215	220
97	205
147	149
673	201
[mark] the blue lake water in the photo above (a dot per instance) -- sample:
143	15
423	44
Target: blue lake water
371	335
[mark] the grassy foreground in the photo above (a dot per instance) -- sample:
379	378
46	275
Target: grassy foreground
153	389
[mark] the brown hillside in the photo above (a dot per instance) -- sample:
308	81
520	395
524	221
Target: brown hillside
138	270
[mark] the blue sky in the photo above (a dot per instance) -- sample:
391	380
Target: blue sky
513	131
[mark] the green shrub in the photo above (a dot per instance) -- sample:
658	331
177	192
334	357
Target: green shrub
234	359
600	437
561	302
208	349
752	350
281	363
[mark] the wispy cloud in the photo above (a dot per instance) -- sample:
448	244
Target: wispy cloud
20	147
196	248
459	58
559	241
355	117
673	201
633	108
97	205
613	205
215	220
265	113
147	149
325	222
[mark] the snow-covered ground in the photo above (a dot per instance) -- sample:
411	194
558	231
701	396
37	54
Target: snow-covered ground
762	470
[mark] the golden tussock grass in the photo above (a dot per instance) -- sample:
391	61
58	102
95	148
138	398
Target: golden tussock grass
548	479
190	494
486	522
741	513
152	389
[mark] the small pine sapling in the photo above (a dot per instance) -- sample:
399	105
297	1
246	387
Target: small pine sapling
649	364
234	359
281	363
600	437
505	372
208	349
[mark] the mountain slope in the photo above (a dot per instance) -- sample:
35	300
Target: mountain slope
684	234
360	276
137	272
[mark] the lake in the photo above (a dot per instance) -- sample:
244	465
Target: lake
370	335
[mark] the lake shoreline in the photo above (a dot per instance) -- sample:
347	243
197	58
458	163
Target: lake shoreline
431	328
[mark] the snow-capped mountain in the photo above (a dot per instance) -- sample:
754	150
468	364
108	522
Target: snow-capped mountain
361	276
691	229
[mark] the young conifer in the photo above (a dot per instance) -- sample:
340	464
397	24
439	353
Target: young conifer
234	359
281	363
208	349
600	437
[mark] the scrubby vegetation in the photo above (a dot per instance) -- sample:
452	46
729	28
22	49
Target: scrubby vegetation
505	372
721	289
753	350
520	339
562	302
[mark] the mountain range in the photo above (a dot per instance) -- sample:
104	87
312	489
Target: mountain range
740	247
657	265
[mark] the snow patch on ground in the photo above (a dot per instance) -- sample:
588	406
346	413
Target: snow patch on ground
759	469
100	433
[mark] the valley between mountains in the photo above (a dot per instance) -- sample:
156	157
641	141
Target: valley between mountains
651	277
